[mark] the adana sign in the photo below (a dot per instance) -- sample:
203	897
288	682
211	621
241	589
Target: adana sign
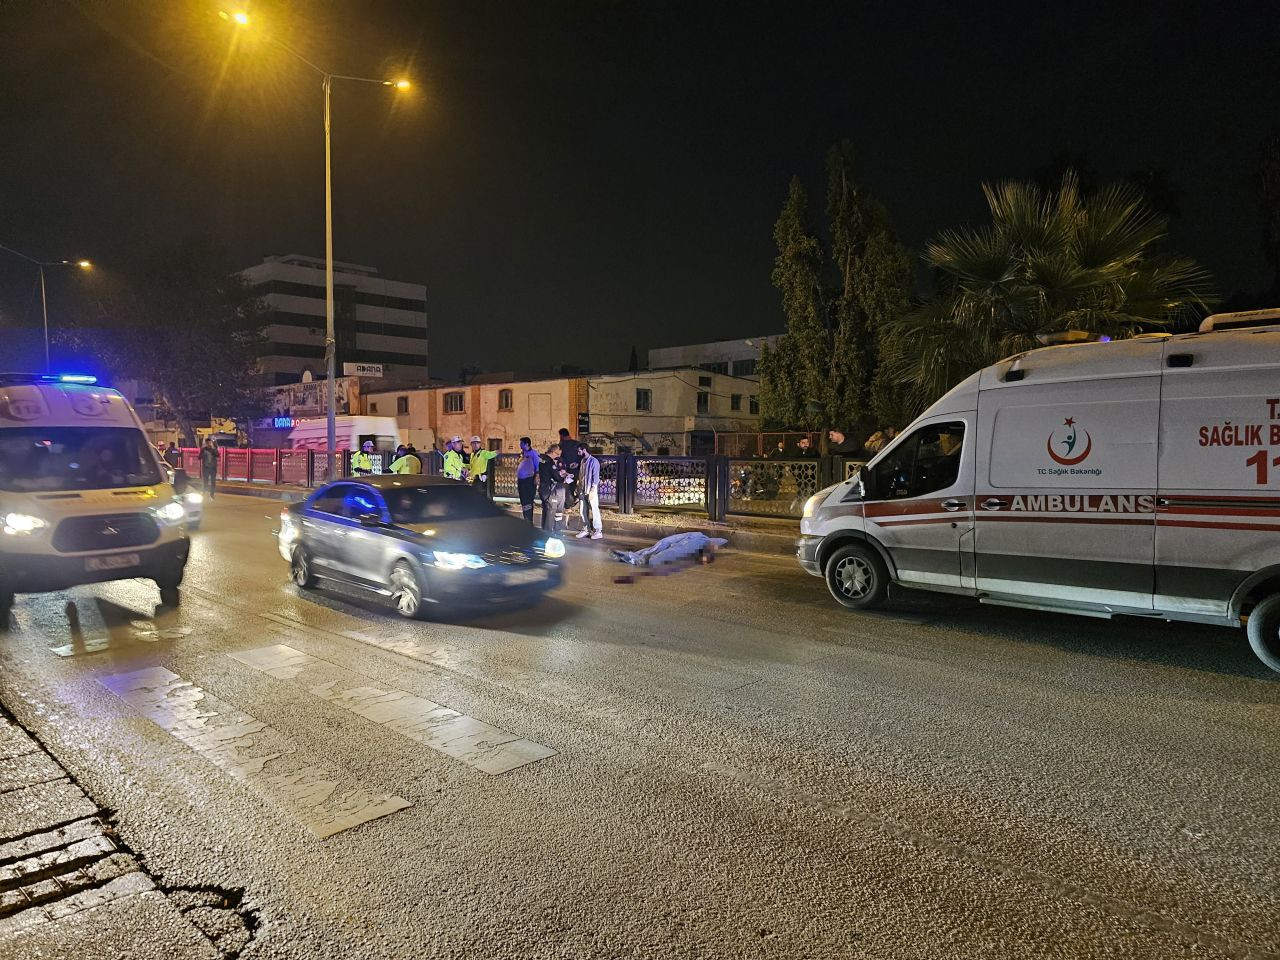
362	369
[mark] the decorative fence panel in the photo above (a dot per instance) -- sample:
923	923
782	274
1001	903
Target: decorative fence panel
678	482
772	488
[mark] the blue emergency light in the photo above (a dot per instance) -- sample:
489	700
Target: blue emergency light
77	378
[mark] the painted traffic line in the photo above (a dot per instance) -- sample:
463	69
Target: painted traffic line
250	751
478	744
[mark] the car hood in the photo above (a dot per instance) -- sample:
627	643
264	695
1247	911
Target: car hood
477	536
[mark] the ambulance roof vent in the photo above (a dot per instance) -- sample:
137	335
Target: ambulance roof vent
1246	318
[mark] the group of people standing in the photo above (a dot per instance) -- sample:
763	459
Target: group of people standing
566	476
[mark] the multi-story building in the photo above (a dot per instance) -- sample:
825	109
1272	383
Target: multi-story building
378	323
667	412
736	357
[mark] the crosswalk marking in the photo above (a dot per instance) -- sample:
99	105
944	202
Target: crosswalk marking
244	747
480	745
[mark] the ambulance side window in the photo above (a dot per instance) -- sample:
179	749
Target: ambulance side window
925	462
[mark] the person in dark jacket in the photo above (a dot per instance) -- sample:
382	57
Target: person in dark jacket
569	460
209	468
551	484
173	456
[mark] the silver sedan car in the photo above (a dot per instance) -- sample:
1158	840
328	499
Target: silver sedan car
419	541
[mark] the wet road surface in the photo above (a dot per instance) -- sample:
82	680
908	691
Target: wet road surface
715	763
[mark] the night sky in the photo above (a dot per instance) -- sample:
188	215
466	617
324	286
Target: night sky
572	178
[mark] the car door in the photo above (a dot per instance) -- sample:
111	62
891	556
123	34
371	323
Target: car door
361	547
1066	496
324	528
920	507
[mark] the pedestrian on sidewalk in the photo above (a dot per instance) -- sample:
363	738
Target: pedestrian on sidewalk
569	460
209	468
551	484
589	494
527	477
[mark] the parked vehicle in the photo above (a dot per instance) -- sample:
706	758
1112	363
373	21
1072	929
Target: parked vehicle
351	432
1140	477
419	540
84	497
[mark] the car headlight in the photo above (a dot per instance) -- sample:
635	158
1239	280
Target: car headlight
194	497
811	505
457	561
553	548
171	512
22	524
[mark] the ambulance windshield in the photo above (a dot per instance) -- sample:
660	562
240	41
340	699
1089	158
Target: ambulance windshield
54	459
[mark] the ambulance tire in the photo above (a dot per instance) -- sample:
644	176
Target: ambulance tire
1264	631
857	577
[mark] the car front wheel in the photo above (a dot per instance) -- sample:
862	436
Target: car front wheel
857	577
301	571
406	591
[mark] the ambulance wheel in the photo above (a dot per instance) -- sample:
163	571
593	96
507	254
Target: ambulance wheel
301	569
1264	631
170	596
856	577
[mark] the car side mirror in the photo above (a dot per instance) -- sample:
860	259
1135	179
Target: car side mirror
867	480
370	520
181	481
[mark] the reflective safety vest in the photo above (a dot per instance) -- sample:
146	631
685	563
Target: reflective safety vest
362	462
409	463
453	465
480	461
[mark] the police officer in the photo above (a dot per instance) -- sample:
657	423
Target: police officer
407	461
364	463
480	460
454	465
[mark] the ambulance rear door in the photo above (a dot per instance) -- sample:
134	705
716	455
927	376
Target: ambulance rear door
1065	496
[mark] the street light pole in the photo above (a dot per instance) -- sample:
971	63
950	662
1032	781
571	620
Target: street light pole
330	331
44	300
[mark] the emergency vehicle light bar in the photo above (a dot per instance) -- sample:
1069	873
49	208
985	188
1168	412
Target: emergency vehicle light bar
1245	318
9	379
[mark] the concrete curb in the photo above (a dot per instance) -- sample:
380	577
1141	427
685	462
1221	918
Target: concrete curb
751	536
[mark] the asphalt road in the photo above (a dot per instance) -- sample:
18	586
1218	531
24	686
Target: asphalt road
715	763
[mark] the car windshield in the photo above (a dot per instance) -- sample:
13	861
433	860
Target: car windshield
437	503
39	459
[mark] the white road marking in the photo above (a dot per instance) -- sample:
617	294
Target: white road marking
480	745
234	741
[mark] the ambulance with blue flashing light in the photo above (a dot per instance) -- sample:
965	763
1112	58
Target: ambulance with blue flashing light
84	497
1137	477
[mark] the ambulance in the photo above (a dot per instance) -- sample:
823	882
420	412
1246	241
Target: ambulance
1138	477
84	497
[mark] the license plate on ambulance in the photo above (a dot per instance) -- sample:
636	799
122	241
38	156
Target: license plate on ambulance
117	561
526	576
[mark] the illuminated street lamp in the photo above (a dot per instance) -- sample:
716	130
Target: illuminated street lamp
44	302
241	18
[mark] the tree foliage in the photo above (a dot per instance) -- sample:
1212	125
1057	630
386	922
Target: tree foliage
191	330
1047	262
822	372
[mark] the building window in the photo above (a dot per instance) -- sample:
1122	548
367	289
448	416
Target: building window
704	401
744	368
373	408
402	406
454	403
505	401
704	381
753	406
721	366
644	399
735	401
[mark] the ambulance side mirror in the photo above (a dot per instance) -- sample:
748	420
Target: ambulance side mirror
867	480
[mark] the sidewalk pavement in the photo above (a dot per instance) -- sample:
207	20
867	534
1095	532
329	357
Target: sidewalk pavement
751	534
70	888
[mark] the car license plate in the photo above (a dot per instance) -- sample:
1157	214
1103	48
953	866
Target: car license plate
115	562
526	576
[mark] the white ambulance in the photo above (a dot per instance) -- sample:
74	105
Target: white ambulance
84	497
1138	477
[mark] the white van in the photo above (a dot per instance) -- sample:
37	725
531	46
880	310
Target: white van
350	433
1139	477
83	495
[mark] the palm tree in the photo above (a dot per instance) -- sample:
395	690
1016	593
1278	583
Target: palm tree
1048	262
